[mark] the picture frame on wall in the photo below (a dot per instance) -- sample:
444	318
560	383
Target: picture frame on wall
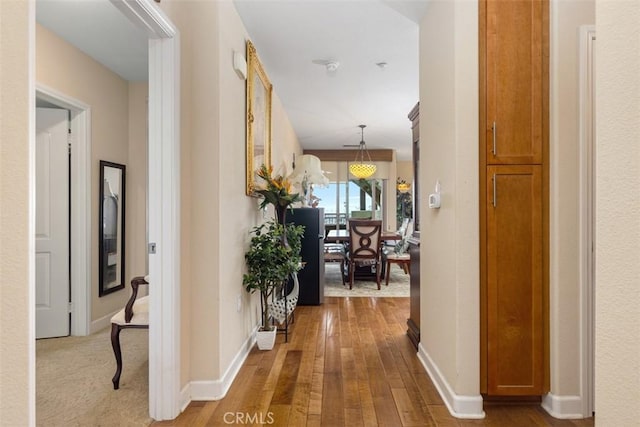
258	117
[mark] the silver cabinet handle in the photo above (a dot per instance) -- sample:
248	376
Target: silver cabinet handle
494	130
495	195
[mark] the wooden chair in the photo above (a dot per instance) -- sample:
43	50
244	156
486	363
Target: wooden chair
134	315
401	259
364	246
397	255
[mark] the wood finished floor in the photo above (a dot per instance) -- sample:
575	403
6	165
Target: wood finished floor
348	363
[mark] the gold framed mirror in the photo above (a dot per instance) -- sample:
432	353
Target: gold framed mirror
258	117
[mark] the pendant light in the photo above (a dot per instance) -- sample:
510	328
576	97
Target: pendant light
359	168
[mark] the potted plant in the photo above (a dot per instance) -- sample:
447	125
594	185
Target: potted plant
270	263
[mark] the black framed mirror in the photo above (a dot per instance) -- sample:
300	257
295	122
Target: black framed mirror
111	227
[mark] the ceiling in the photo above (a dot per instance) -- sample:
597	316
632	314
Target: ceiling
292	39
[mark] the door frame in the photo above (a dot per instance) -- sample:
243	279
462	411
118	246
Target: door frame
80	176
587	34
164	204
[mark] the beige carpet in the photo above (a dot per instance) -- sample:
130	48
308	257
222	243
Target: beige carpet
73	381
398	284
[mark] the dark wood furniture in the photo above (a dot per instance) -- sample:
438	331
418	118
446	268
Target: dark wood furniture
403	260
365	246
413	322
134	315
311	277
514	49
342	236
335	236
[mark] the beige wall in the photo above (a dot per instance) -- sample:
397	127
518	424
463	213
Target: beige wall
17	367
137	181
617	213
217	215
66	69
449	311
565	18
404	170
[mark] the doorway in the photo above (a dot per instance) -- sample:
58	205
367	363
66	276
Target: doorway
52	233
164	204
79	208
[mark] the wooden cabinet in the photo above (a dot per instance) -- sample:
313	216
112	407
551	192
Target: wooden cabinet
514	81
514	180
514	270
413	322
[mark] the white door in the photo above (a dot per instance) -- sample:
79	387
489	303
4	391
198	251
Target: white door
52	223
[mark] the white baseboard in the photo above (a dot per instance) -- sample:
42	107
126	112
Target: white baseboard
563	407
468	407
101	323
185	397
217	389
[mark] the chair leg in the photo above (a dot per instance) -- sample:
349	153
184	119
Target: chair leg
342	272
351	271
378	266
115	343
388	272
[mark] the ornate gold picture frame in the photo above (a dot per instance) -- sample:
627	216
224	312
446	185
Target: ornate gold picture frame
258	117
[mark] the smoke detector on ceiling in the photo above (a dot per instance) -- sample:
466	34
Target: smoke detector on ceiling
330	65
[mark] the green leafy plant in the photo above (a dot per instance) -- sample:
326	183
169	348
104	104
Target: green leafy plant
269	262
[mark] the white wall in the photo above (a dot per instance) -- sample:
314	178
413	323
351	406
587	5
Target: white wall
449	323
617	213
137	166
17	326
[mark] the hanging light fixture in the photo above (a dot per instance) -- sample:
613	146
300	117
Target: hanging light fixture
359	168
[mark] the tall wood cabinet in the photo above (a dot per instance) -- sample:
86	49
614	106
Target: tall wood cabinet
413	322
514	197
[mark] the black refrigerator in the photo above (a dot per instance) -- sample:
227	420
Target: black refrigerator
311	277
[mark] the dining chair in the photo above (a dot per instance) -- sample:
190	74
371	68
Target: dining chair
364	246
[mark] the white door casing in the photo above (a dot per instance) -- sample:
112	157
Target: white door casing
52	223
80	172
165	402
587	216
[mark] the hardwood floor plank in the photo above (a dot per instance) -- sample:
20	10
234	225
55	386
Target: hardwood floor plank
332	400
300	405
369	417
279	414
353	417
410	414
286	385
315	397
348	363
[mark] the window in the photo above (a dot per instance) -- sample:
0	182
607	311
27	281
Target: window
350	199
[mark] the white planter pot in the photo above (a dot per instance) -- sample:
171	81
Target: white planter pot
266	339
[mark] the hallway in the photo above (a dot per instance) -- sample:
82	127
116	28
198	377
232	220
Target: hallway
348	362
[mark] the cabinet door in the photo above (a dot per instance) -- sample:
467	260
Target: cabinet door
514	81
514	280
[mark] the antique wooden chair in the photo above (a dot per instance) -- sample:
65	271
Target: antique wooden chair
364	246
134	315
